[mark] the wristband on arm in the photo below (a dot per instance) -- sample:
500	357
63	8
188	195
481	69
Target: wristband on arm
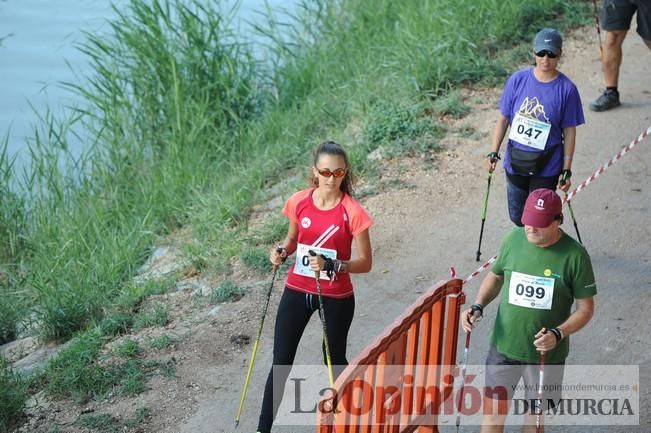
557	333
477	307
333	266
329	266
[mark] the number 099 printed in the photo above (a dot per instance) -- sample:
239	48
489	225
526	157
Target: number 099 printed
531	291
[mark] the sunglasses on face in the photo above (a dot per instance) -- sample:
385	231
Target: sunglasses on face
547	53
340	172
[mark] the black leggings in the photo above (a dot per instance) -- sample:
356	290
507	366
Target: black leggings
294	313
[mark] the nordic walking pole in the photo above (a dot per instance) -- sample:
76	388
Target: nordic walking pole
257	341
569	206
483	214
576	227
317	275
596	18
463	379
541	381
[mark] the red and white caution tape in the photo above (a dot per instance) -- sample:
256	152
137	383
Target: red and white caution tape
481	269
610	162
571	195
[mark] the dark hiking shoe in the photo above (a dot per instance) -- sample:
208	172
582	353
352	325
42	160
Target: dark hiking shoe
609	99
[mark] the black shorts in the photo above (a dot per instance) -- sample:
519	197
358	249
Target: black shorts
530	183
618	14
503	375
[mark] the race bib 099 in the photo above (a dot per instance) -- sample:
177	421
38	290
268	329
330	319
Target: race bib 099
531	291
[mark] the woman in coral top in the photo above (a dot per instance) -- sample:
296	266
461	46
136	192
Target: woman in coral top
325	219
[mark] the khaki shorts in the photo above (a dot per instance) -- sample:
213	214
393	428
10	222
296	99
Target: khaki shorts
618	14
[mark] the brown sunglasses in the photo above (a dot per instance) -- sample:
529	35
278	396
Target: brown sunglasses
340	172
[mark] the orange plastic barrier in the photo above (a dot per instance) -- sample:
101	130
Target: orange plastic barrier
397	384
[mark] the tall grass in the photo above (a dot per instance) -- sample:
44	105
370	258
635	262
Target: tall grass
410	47
13	394
186	128
169	89
12	245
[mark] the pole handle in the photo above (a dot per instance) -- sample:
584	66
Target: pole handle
317	274
279	250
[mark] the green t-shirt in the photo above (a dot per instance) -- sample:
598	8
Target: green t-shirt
540	285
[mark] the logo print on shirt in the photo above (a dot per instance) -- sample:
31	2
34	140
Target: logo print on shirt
533	109
306	222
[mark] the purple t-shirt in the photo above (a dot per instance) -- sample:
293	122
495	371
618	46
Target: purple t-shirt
556	102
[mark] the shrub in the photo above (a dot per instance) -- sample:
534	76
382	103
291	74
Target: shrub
161	342
115	324
226	292
256	259
451	105
75	371
128	348
156	316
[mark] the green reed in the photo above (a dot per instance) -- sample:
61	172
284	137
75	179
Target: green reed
185	128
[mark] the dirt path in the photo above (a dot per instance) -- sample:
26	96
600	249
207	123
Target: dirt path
421	231
432	223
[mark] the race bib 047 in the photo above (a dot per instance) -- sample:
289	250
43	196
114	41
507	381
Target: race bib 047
530	132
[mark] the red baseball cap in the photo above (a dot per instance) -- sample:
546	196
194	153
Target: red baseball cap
541	207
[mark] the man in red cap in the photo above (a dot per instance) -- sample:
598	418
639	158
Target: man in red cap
539	273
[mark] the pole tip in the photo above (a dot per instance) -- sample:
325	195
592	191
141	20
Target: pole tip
237	422
478	256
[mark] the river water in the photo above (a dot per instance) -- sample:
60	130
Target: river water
38	40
